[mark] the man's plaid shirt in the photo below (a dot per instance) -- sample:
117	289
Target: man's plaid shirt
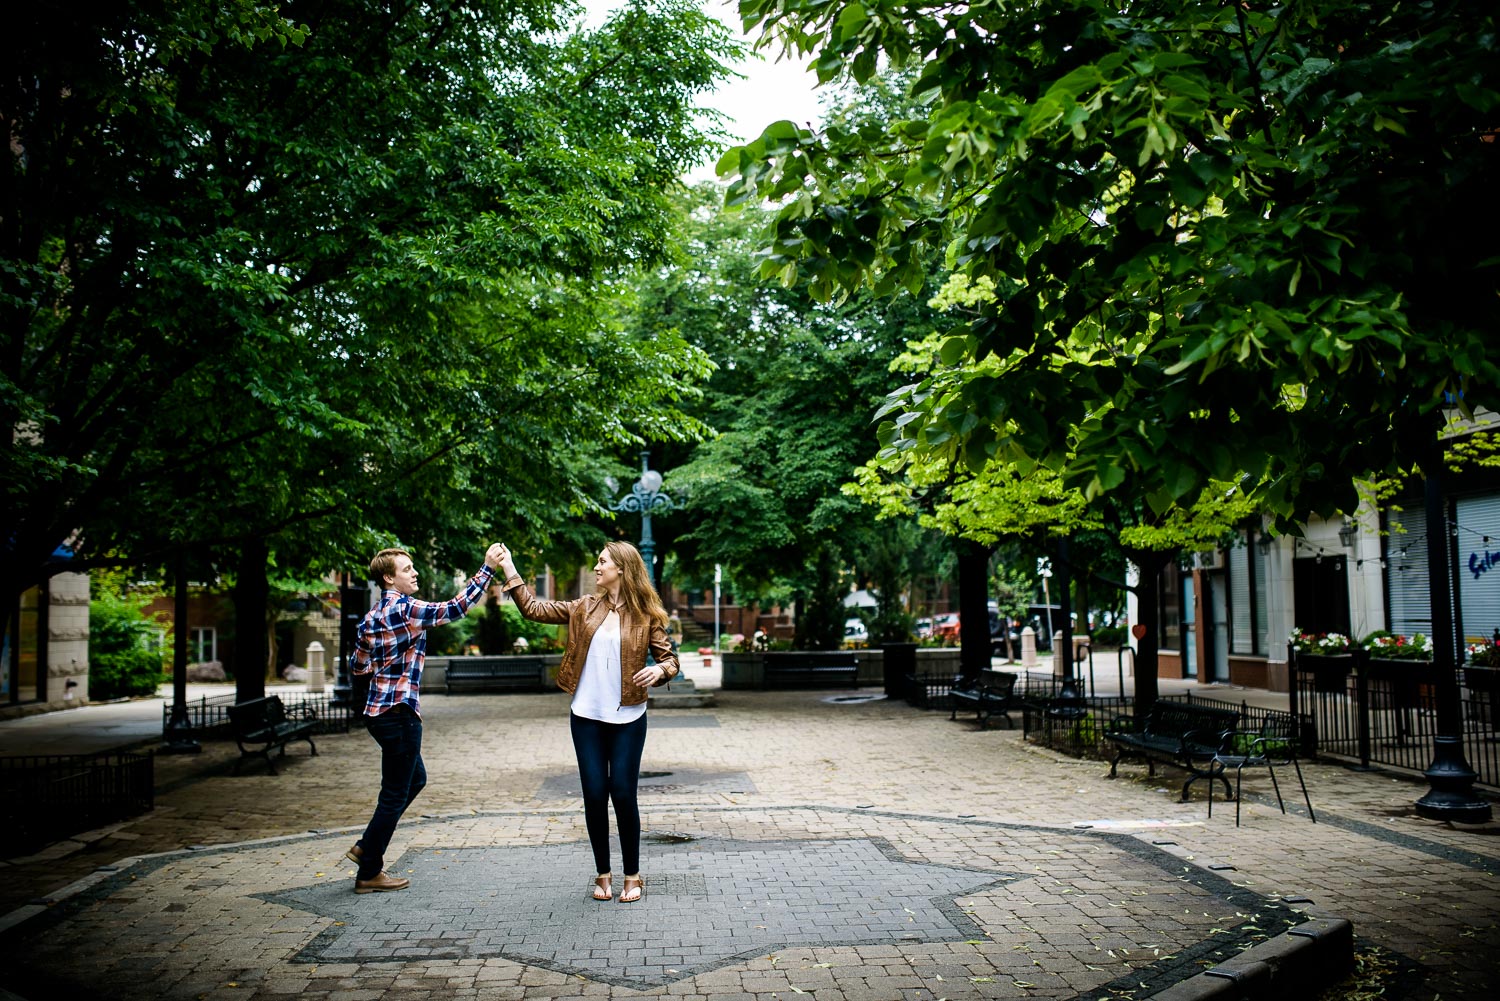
392	641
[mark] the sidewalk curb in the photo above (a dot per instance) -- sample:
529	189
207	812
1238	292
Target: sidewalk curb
1312	956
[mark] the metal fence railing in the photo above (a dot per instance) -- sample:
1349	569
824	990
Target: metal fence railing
1385	712
46	797
208	716
929	691
1079	728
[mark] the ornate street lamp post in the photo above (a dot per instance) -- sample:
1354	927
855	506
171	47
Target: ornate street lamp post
645	496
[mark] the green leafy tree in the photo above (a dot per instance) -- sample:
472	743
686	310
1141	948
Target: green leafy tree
790	397
122	661
1217	238
281	282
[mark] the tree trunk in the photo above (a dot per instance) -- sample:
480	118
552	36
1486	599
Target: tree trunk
1062	639
1085	627
252	594
973	609
1148	611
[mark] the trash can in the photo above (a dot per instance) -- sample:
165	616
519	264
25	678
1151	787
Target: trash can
900	661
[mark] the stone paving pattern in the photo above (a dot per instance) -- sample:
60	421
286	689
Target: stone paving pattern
1021	873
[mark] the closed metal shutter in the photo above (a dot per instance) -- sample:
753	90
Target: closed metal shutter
1479	565
1242	623
1263	626
1408	605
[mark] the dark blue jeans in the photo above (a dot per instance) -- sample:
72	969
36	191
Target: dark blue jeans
609	766
402	775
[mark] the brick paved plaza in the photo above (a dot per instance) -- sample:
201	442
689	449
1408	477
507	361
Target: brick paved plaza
795	847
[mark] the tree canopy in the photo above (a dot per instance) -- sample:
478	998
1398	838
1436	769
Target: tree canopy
1214	239
333	273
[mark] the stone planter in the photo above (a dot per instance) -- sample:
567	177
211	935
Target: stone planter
1482	683
1482	679
1330	671
1410	681
742	670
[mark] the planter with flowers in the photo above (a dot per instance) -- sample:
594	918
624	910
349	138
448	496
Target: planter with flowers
1327	656
1401	663
1482	667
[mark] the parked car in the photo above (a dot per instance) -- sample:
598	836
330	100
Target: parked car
945	628
924	628
856	633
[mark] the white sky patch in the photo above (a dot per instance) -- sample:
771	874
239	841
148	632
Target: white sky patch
770	91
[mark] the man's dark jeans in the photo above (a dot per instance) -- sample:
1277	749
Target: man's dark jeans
398	731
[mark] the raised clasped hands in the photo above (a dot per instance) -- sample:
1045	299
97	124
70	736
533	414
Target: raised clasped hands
496	556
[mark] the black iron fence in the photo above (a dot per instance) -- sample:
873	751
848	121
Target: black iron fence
46	797
1384	712
1078	728
208	716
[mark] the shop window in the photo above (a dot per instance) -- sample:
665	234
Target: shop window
1169	596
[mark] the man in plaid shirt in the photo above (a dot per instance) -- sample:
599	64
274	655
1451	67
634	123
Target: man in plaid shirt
391	648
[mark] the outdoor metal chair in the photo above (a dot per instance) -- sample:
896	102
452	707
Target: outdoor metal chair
1274	744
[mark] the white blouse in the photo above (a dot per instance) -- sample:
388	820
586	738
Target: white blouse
599	690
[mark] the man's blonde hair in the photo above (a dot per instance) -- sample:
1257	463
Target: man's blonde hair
384	564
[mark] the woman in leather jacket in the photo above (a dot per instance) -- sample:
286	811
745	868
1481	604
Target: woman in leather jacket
605	668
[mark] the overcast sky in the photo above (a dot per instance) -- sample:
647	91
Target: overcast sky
769	92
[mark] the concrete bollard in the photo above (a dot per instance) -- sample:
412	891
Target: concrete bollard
1028	648
314	666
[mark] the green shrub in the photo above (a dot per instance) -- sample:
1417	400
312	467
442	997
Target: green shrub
1106	637
539	636
1245	743
1085	731
450	638
120	662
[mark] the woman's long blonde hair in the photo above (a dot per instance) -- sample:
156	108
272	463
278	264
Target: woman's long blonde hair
636	592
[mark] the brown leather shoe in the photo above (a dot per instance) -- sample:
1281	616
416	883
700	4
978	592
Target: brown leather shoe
381	883
354	854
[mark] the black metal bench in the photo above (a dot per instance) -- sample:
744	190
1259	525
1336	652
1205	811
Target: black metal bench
1180	734
264	722
496	673
822	669
993	694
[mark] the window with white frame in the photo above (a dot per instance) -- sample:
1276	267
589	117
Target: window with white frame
203	644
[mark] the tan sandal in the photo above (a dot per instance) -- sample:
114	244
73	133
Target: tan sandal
632	883
602	890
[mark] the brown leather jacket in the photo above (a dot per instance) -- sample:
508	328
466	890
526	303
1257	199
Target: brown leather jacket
583	616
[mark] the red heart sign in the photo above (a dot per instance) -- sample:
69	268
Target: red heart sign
1138	631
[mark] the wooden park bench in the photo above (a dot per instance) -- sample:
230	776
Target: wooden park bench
264	722
496	674
822	669
993	694
1181	734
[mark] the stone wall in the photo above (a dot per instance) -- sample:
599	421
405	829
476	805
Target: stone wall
745	670
68	640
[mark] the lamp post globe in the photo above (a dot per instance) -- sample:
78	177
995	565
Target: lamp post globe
645	497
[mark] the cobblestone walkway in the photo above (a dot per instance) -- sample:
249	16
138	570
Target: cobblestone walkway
860	851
